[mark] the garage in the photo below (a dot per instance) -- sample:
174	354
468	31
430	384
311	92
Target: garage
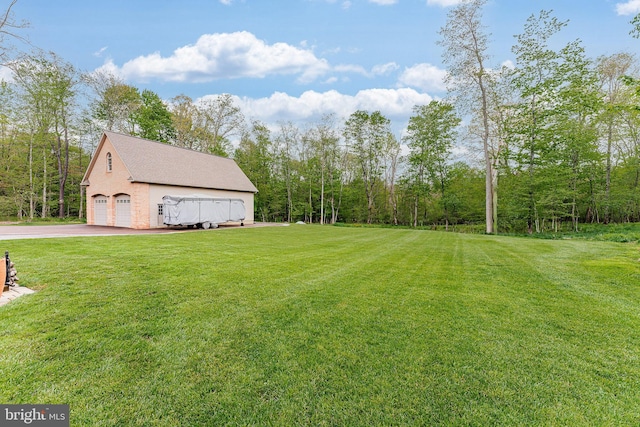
128	177
123	211
100	210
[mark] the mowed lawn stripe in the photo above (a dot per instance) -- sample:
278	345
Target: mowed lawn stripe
314	325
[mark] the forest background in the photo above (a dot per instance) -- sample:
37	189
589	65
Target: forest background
553	139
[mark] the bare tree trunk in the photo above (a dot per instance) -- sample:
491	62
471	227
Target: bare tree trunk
494	199
392	187
62	154
32	188
310	204
322	196
44	184
489	207
82	188
607	191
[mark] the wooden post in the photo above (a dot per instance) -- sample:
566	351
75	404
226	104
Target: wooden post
3	274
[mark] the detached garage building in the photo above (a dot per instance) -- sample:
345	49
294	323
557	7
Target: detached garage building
128	177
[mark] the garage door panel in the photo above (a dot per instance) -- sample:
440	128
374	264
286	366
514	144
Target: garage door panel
123	211
100	210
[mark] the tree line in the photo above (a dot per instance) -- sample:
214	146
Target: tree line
552	141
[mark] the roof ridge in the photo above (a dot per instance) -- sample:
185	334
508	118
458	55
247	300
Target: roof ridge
159	163
167	144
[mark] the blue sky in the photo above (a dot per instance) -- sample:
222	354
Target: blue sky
297	59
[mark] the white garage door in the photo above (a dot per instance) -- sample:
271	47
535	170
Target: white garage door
123	211
100	210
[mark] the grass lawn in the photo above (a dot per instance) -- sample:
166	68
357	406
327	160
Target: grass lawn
310	325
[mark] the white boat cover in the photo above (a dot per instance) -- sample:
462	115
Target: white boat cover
199	209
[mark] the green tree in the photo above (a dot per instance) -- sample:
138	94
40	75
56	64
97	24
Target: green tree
537	80
64	92
322	156
391	160
47	88
114	103
368	135
184	116
611	70
287	141
431	134
14	183
625	177
254	156
153	119
465	53
576	113
218	120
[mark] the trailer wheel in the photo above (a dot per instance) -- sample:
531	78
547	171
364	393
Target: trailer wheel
206	225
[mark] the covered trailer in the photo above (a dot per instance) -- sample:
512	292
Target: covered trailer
201	211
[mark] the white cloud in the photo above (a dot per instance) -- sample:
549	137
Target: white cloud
424	76
110	68
224	55
631	7
444	3
384	2
99	52
225	2
349	68
237	55
508	64
311	105
345	4
384	69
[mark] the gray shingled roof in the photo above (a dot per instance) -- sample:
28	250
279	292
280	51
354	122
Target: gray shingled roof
157	163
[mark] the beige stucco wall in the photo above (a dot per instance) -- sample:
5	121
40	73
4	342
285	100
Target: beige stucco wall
144	197
157	192
103	182
113	183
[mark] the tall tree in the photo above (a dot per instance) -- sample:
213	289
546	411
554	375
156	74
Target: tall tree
114	103
367	135
323	141
287	141
47	86
255	157
625	188
611	70
576	113
219	119
391	160
536	79
64	91
431	134
465	53
184	115
9	29
14	183
153	119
